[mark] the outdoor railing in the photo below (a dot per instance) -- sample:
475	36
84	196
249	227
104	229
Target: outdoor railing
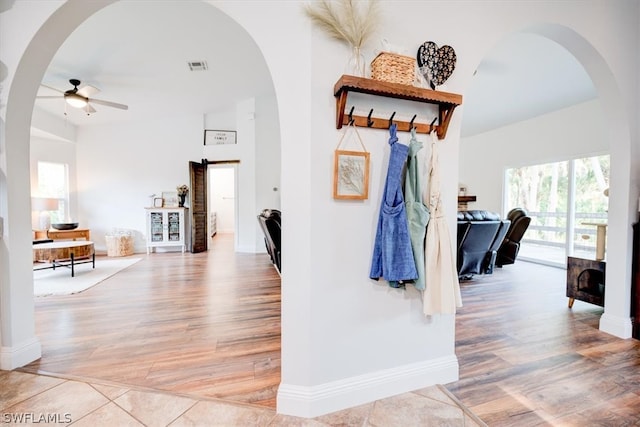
555	235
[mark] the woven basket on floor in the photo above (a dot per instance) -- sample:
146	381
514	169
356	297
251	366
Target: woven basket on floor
119	245
393	68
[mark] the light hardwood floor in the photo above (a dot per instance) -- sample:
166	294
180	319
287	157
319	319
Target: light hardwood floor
204	324
526	359
209	325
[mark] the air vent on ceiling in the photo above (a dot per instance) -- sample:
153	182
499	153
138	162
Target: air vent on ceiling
197	65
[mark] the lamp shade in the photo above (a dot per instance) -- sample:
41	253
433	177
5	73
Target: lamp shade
44	204
75	100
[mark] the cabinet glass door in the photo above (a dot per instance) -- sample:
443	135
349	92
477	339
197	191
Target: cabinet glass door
157	224
174	226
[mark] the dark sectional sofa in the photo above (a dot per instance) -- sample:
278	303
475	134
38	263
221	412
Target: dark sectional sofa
480	235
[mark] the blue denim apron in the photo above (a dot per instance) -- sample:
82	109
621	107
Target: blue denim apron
392	254
417	211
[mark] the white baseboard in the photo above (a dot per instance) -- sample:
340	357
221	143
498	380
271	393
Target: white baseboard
621	327
20	355
313	401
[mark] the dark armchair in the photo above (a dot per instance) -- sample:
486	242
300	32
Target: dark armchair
270	222
510	247
480	234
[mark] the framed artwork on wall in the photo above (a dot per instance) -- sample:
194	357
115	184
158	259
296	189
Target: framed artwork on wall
219	137
170	199
351	175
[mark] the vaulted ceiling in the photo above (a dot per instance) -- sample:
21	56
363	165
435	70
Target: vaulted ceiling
137	54
523	76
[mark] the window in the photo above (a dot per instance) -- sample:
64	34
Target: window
53	182
560	198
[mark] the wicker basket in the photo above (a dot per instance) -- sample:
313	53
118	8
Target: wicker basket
119	245
393	68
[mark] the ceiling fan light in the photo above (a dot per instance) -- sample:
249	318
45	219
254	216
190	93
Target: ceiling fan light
76	101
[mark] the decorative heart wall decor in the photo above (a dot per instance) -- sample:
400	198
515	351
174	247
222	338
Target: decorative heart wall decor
436	64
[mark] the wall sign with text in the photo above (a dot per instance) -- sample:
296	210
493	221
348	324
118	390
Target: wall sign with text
219	137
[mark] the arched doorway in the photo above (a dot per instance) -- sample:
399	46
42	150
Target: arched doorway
533	103
18	333
613	126
525	309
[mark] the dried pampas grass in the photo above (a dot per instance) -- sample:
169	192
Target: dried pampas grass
349	21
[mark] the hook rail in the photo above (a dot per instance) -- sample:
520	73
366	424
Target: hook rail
445	101
385	123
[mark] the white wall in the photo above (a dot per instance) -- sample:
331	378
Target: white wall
119	167
247	235
347	340
223	119
354	323
573	132
258	149
46	125
267	153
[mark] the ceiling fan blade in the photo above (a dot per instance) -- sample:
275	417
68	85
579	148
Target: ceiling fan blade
49	97
52	88
89	109
109	104
87	91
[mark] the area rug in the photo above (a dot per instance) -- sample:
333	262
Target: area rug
60	282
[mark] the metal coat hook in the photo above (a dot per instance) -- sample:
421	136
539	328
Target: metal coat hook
369	121
391	119
351	115
434	121
411	122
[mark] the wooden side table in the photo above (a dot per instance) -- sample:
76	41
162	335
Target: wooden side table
78	233
586	280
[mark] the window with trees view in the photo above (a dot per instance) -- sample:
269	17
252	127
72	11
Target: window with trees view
53	182
560	197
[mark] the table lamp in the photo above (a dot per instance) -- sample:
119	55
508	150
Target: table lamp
44	205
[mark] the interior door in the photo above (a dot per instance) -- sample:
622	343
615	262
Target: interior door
198	178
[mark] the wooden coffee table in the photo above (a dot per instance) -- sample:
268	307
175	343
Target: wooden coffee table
64	254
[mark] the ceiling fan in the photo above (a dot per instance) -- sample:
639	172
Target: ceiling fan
81	98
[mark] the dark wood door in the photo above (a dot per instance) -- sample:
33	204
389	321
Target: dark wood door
635	284
198	178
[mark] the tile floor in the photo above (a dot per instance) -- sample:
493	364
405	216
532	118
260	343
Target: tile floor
28	399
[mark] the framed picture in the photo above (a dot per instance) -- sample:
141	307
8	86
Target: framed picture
351	175
170	199
219	137
157	202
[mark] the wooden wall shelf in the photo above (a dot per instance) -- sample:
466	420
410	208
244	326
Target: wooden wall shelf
445	101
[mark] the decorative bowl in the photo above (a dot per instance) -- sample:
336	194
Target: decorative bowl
65	225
